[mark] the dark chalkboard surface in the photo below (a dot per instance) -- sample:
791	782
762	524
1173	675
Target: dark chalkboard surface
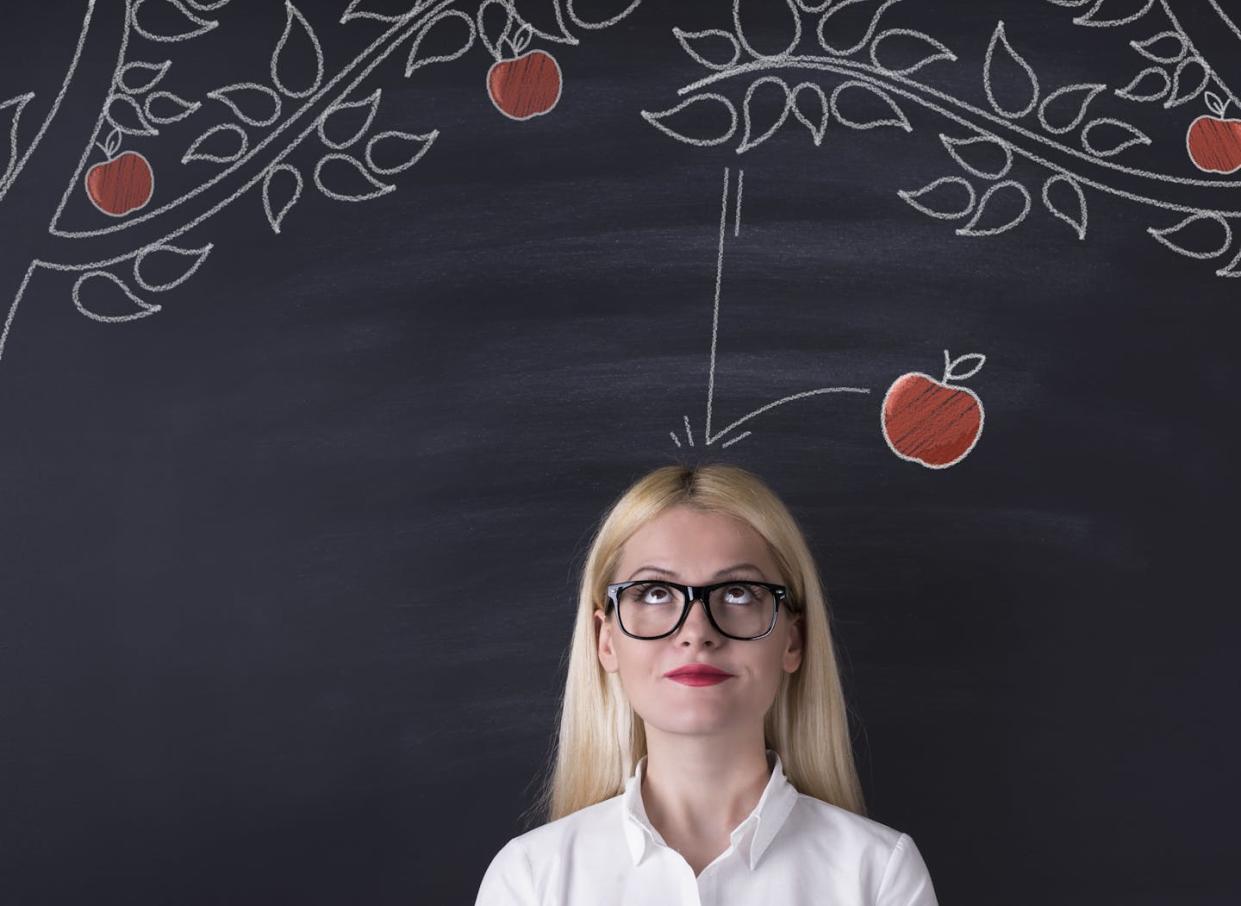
312	392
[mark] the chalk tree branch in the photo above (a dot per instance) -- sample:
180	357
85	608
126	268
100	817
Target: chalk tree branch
118	242
1173	193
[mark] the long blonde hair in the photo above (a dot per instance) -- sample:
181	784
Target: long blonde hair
602	738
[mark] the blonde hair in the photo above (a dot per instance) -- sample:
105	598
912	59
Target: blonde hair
601	737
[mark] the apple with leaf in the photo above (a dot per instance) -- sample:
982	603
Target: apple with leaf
933	422
1214	142
526	84
124	182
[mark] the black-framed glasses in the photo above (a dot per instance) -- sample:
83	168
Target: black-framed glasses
741	609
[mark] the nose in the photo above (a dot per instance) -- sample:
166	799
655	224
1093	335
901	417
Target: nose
697	623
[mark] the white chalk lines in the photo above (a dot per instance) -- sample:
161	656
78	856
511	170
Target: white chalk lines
930	421
707	437
135	108
250	149
1021	119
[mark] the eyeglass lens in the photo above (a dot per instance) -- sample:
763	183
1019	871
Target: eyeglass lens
740	608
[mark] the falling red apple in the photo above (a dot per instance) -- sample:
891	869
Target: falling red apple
526	85
1214	142
122	183
932	421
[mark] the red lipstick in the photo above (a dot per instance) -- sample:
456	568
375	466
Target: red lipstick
698	675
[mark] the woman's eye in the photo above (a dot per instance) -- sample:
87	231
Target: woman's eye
648	593
741	594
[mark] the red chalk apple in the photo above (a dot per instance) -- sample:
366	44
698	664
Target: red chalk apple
122	183
1214	142
932	421
524	85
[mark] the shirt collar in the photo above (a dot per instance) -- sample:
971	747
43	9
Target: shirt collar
752	836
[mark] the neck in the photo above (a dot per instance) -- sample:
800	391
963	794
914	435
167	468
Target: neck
696	787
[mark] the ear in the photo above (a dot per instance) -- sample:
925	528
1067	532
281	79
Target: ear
603	633
793	651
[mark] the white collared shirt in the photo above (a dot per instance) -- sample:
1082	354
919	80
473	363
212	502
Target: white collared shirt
792	849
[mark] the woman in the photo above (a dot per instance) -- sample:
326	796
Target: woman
733	789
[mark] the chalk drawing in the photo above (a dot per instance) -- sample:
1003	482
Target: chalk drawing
1074	218
1164	47
814	116
299	102
1213	142
920	198
931	421
1151	84
120	183
1084	92
240	98
1000	39
1053	130
1093	17
708	437
937	50
701	45
927	421
521	83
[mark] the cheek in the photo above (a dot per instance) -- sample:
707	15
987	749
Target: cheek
764	671
635	663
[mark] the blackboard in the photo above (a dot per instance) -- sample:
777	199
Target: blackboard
305	430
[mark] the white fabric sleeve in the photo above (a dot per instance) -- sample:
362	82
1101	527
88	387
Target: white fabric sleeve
906	880
509	879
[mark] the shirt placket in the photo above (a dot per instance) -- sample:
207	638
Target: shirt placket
707	886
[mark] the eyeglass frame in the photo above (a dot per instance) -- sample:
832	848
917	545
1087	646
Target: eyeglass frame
692	593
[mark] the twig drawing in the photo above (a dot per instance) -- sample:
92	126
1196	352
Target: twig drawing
254	150
708	437
1079	149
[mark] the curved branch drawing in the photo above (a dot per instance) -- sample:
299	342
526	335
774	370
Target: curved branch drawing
120	241
1081	153
101	78
1188	194
1015	126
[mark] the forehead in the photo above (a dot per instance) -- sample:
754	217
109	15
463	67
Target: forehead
695	544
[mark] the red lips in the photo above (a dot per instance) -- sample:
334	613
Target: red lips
705	670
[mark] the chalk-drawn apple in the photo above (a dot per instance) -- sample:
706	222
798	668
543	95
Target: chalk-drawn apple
124	182
526	84
1214	142
931	421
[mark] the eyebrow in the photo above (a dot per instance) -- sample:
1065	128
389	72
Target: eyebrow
723	572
